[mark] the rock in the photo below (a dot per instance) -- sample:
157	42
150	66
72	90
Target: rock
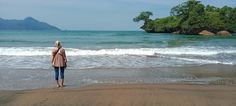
205	32
224	33
176	32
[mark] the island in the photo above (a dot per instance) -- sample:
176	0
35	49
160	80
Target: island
28	23
192	17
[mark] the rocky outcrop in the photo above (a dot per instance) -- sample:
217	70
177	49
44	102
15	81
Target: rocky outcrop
207	33
224	33
176	32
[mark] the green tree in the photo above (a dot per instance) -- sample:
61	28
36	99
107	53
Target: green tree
148	23
183	10
210	8
191	17
228	15
190	13
167	24
212	22
143	16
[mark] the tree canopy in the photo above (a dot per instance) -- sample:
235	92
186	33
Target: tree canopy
191	17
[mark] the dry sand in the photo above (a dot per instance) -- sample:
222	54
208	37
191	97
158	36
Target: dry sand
125	95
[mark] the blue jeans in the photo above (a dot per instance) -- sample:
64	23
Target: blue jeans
57	72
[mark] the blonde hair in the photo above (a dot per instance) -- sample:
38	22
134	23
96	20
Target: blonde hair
58	43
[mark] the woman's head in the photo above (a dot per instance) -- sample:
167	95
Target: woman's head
58	44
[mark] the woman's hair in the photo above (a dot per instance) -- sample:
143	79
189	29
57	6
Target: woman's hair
58	43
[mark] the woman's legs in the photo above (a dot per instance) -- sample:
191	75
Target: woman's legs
62	76
56	69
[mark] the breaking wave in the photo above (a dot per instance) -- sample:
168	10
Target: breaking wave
35	51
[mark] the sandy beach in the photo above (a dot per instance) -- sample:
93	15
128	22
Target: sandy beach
197	88
124	95
118	53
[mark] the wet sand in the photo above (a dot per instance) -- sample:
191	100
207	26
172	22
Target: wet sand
220	92
24	79
125	95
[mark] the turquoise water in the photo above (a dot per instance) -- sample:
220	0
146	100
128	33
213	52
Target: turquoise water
109	57
114	49
108	39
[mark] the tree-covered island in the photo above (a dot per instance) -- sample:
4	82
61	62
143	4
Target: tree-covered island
192	17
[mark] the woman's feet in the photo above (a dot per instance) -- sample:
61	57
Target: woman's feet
62	82
62	86
58	86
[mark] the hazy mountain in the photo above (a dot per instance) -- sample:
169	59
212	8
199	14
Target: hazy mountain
28	23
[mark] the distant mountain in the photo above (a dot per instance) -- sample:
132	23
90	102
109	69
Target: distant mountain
28	23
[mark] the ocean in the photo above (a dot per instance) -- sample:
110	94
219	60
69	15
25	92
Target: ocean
24	51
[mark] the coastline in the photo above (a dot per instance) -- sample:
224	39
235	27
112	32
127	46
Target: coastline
213	74
198	91
125	95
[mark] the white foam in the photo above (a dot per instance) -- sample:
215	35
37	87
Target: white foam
40	51
25	51
203	61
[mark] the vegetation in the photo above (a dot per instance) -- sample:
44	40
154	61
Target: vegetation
191	17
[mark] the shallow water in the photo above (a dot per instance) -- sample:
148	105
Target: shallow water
114	49
20	79
25	57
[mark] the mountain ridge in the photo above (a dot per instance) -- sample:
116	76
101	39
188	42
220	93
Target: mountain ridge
29	23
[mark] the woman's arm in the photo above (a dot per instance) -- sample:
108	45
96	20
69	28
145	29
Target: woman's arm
53	55
64	55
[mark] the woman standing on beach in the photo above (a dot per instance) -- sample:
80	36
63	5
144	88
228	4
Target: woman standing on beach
59	62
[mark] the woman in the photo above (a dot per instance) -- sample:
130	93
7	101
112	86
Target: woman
59	62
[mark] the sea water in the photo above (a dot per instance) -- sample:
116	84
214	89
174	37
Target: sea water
120	49
31	50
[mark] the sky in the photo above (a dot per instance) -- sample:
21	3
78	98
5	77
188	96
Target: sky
92	14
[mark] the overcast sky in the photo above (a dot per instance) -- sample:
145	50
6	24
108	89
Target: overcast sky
92	14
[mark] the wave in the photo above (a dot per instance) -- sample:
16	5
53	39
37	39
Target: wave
40	51
203	61
119	42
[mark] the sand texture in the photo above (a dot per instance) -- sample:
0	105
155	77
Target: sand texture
125	95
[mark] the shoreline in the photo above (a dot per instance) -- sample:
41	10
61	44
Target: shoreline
125	95
205	74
